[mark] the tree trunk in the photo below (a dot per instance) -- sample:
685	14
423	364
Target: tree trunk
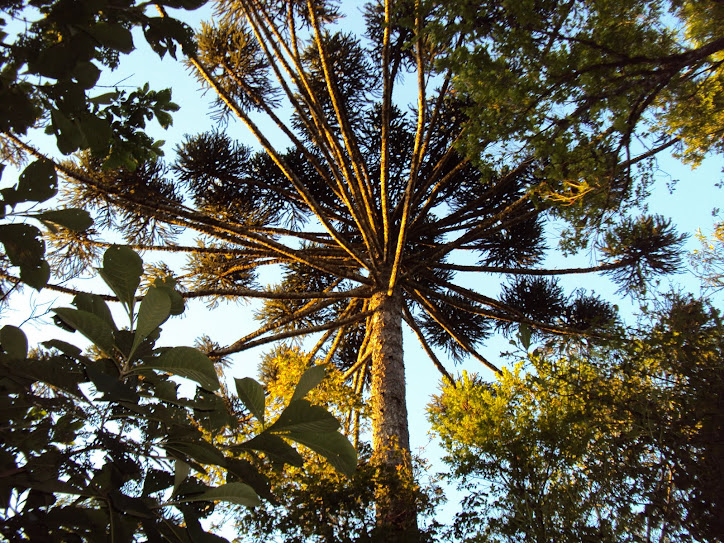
395	491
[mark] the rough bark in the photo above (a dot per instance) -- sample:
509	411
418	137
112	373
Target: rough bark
395	491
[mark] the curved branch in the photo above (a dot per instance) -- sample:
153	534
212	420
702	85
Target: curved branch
439	319
410	320
531	271
293	333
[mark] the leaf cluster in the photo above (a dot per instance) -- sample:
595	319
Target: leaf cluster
50	68
23	242
105	445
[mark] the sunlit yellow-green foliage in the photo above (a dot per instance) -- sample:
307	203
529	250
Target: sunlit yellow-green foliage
708	260
313	500
695	112
587	86
547	441
280	372
580	443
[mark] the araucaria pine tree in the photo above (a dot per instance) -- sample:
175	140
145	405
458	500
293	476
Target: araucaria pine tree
388	174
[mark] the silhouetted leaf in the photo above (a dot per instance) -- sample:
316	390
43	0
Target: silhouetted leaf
251	395
333	446
91	326
35	276
274	447
74	219
38	182
154	311
186	362
24	244
113	35
301	416
237	493
14	342
309	379
180	472
122	269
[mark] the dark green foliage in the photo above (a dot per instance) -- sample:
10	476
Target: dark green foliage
103	446
460	316
51	67
589	311
649	245
538	298
23	243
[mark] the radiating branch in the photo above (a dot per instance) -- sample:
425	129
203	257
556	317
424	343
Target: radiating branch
431	310
410	320
280	162
235	348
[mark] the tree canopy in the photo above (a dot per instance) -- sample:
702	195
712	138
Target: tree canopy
621	443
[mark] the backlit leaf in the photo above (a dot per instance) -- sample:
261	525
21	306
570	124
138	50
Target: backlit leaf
74	219
14	342
251	395
186	362
122	269
237	493
309	379
91	326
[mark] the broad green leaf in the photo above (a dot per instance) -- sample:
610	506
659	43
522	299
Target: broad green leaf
35	276
68	136
14	342
129	505
113	35
38	182
122	269
101	309
309	379
524	334
201	451
301	416
64	347
180	472
274	447
54	61
331	445
74	219
86	74
186	362
113	389
251	395
95	304
184	4
249	474
237	493
168	285
24	244
105	98
154	311
25	248
91	326
97	133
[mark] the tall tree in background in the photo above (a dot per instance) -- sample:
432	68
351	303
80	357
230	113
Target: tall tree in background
376	212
